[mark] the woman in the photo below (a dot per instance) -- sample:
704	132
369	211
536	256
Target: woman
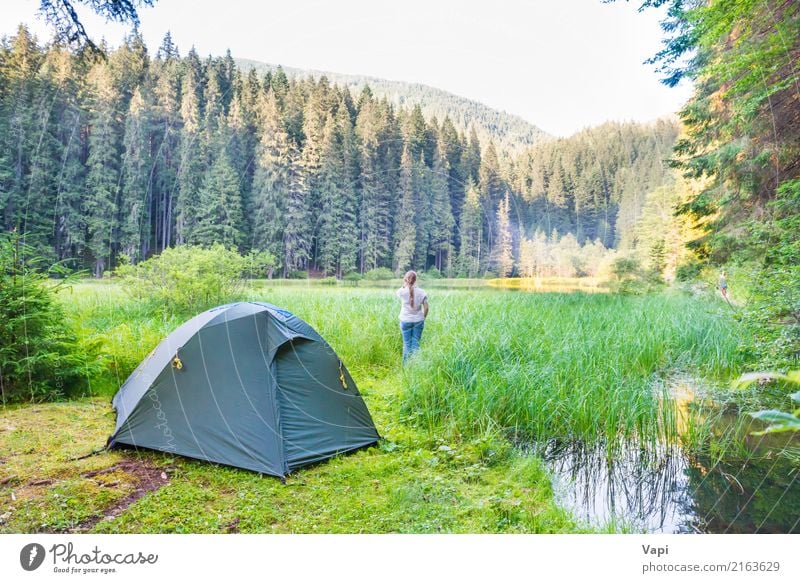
723	285
413	311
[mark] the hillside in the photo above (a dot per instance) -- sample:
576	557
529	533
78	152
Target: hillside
509	132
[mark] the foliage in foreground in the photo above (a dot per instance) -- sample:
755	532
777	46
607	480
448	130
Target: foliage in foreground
779	421
40	357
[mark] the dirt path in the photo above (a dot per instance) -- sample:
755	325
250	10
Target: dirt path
147	478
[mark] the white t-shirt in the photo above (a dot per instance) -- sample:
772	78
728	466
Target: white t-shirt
407	313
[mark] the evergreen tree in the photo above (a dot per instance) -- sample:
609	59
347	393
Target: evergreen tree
375	208
132	155
337	232
271	179
220	215
192	158
469	253
527	258
167	149
314	119
422	182
505	258
441	237
405	233
297	232
136	195
348	232
102	180
21	64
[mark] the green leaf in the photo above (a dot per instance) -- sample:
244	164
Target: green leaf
775	416
758	377
780	420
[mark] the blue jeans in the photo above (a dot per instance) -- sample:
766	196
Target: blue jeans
412	334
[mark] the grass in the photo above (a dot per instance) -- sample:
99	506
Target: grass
541	365
410	483
569	367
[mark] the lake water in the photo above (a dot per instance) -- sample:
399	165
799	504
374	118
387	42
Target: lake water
668	491
664	489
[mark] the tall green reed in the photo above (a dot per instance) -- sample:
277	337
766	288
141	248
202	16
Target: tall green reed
564	366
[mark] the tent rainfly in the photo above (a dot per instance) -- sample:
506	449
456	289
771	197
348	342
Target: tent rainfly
247	385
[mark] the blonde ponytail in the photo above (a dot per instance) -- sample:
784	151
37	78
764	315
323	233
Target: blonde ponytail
410	279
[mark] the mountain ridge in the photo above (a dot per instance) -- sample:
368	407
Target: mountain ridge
510	132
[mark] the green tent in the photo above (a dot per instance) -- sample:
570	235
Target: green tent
247	385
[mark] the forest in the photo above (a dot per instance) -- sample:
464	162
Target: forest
108	161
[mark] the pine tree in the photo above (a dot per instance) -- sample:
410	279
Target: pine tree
505	258
527	258
331	178
100	205
469	252
472	157
220	211
405	232
314	119
271	179
453	154
70	227
167	51
297	232
167	148
422	179
337	232
20	66
192	158
375	211
348	232
45	161
136	195
441	238
241	146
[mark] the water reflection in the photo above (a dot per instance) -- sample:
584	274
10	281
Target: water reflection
663	490
550	285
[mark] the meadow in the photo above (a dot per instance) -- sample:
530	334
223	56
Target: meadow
497	367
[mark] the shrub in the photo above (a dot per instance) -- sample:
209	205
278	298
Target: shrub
630	278
40	357
260	264
688	271
187	279
328	281
353	276
625	267
297	275
433	273
379	274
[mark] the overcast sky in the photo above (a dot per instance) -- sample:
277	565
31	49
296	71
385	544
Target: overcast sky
561	64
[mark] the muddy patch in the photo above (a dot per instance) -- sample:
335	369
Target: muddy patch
146	478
